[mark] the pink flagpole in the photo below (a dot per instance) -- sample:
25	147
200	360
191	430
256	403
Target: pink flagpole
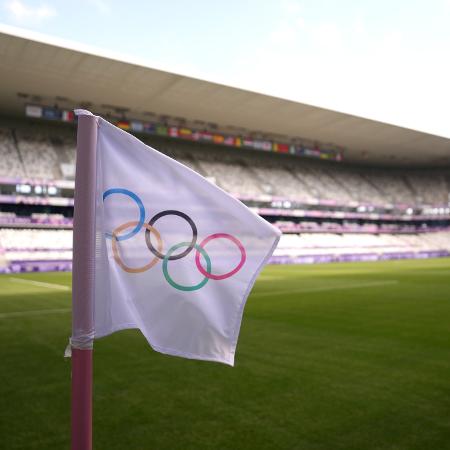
83	282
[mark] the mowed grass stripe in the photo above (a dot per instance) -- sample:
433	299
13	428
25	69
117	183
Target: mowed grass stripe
39	312
327	288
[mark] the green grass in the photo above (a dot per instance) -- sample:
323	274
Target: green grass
322	363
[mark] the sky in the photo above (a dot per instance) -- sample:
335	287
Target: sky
387	60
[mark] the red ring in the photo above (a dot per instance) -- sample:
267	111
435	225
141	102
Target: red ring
225	275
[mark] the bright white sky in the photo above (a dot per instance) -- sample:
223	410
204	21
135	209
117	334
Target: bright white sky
388	60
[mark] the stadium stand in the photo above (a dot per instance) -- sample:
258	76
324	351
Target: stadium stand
36	245
37	219
35	150
46	151
40	150
311	244
429	187
10	163
56	245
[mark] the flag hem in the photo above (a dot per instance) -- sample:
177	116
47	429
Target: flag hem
240	312
163	350
122	326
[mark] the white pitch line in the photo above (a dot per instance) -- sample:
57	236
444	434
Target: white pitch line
327	288
40	284
37	312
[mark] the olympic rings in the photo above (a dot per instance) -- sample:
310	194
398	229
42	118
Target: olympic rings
180	287
141	212
116	252
115	237
175	213
207	273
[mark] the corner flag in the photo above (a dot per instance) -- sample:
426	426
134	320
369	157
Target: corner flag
176	257
159	248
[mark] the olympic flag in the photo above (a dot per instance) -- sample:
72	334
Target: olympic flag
159	248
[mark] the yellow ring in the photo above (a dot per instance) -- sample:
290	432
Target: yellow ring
116	253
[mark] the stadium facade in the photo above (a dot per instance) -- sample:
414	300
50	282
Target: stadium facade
340	187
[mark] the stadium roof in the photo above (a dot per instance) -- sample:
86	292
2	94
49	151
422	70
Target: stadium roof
46	68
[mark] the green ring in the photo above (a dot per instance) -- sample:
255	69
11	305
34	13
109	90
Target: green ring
180	287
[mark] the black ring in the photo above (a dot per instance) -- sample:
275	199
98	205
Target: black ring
175	213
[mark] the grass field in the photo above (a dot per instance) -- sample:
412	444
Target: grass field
349	356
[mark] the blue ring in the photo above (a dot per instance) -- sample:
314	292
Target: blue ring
138	201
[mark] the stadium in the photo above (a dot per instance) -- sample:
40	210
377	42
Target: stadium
345	336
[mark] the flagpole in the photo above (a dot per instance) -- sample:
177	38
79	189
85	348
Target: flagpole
83	281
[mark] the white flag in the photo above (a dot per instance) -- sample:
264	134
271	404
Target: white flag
176	256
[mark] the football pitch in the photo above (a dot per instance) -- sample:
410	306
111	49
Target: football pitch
349	356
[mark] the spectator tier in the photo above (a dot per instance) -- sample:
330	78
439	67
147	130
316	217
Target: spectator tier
45	150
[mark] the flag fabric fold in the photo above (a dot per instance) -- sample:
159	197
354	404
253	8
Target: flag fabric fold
176	256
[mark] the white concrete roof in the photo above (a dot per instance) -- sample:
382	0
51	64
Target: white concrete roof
54	69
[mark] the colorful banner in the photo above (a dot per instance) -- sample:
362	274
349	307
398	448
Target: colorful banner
185	133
